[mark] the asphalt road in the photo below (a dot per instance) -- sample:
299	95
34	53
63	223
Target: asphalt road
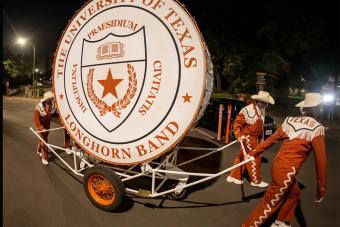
35	195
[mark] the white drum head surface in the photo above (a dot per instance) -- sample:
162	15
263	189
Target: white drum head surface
130	78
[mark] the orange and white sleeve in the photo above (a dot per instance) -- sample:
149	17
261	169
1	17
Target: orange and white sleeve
238	125
278	135
320	158
37	122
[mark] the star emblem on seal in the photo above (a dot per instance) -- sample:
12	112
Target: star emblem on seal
110	85
186	98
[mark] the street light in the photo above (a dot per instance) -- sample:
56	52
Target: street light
21	41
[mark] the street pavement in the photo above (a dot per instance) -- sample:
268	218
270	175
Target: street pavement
35	195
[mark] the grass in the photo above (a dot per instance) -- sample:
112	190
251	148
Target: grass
295	97
222	95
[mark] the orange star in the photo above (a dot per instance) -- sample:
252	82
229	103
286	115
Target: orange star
61	96
186	98
110	85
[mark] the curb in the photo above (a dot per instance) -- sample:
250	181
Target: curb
21	99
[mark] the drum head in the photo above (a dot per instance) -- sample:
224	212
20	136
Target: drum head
131	78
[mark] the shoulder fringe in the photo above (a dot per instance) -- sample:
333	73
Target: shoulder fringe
249	114
40	108
305	134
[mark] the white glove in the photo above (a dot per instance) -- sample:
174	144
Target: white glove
318	199
241	138
319	195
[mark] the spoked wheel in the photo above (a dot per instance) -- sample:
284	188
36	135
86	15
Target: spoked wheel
104	188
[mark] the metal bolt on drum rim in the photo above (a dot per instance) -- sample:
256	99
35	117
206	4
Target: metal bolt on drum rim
101	190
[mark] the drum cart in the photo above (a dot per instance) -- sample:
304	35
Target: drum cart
105	185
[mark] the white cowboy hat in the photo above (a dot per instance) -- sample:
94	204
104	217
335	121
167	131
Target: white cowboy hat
47	96
263	96
311	99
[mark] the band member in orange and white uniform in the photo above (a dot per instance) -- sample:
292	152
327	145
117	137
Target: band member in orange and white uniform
299	135
248	127
43	113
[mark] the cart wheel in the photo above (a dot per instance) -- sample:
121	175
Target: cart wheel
104	188
180	196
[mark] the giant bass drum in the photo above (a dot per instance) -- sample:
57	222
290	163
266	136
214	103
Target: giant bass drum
131	78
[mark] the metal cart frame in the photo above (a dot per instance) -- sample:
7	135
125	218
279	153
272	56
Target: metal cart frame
164	170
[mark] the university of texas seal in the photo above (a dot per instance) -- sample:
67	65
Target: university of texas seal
130	78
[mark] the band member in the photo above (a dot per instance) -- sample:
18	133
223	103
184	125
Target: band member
299	135
43	113
248	127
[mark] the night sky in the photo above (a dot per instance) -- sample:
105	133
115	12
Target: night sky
44	21
41	21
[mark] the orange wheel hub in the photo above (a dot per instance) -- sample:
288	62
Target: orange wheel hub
101	190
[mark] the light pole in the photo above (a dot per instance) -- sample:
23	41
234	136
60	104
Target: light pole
22	42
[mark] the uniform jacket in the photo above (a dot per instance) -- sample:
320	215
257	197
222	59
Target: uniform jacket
43	116
249	121
300	135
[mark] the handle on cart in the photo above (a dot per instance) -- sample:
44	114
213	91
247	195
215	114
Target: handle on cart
47	130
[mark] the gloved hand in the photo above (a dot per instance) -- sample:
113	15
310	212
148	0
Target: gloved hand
318	199
319	195
241	138
246	156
